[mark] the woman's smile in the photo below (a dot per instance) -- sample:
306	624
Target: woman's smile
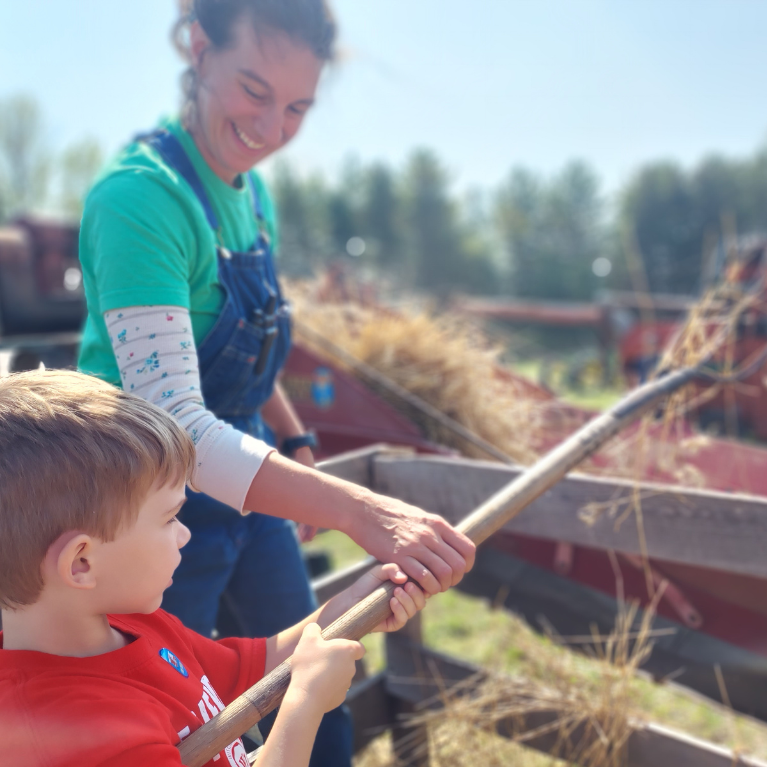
248	142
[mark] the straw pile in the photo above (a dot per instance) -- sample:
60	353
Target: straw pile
447	362
451	364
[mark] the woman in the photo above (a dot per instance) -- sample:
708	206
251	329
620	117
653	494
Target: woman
184	309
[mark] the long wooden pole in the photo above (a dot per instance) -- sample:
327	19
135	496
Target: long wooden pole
259	700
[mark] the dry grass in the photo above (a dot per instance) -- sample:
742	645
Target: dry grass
469	628
449	363
588	723
446	362
599	703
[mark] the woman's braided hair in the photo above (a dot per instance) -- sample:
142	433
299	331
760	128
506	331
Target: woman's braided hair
306	21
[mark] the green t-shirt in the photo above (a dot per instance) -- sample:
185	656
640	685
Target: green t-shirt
145	241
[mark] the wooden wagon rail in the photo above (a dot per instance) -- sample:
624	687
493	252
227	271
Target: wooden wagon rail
704	528
416	676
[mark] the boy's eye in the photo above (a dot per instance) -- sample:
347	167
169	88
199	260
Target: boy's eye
173	519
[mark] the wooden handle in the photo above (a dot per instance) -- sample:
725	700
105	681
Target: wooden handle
265	696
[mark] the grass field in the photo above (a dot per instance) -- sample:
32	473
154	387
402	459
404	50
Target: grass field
592	397
470	629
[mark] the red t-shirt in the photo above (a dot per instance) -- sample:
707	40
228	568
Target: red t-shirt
126	708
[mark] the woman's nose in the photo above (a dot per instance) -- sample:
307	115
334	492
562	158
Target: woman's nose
270	126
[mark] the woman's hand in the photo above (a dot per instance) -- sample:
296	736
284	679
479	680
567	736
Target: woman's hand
425	547
407	600
305	457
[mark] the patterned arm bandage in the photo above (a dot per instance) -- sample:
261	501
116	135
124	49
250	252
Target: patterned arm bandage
157	358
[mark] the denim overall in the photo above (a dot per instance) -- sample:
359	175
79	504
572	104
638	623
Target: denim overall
244	574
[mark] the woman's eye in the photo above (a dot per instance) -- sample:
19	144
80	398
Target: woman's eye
253	94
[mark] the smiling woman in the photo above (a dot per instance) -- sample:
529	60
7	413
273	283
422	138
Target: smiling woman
185	310
247	92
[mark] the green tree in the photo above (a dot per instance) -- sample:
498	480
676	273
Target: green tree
78	166
380	217
552	232
294	208
660	207
445	254
431	221
25	163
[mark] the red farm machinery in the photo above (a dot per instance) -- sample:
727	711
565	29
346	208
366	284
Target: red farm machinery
705	545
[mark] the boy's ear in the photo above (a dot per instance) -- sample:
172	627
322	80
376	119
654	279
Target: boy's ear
74	564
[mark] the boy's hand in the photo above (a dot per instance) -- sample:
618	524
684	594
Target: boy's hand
408	598
323	669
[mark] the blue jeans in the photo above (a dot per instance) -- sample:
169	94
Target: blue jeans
253	565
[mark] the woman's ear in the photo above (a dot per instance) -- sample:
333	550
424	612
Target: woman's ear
74	564
199	42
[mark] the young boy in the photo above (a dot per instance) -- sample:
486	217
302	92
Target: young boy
92	672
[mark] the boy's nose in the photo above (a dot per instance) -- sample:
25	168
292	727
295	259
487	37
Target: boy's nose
183	535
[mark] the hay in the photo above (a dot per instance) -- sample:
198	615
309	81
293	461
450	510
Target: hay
583	719
446	361
451	364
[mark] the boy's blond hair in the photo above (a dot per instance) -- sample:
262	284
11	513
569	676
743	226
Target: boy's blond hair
75	454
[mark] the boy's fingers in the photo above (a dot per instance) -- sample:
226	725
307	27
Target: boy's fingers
312	630
350	645
406	601
416	595
399	614
358	650
393	572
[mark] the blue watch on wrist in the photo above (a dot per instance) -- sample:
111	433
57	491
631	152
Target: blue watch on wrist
291	444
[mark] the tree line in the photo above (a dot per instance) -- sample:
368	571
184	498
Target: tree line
534	237
32	177
552	237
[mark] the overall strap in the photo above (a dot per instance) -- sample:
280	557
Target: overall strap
171	151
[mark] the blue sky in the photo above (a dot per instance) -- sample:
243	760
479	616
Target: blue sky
489	84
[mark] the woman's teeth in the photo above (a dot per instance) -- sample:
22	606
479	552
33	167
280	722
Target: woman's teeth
245	140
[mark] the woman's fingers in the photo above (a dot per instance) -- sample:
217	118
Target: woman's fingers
421	575
426	547
454	563
457	543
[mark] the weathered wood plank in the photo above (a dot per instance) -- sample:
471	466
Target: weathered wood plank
652	744
649	745
372	709
410	744
697	527
357	465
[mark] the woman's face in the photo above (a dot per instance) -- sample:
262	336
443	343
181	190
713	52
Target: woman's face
252	97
